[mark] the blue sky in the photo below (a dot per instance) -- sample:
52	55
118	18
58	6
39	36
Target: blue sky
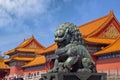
20	19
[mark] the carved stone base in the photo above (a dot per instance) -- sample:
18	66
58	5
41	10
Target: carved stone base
74	76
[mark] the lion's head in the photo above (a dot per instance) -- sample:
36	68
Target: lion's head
67	33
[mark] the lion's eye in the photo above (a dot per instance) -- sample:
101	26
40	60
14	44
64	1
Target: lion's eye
60	35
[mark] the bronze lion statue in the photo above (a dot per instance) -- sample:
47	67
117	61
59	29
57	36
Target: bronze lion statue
71	55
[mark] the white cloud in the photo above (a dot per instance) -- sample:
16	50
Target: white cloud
20	9
5	19
25	6
18	20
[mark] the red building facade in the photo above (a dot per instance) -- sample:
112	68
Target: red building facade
101	38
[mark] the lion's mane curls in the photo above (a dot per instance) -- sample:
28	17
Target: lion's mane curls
73	30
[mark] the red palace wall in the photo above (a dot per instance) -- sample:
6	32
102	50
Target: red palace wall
16	70
110	66
40	70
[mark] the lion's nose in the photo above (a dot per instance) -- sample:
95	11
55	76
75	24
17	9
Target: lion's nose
56	39
59	39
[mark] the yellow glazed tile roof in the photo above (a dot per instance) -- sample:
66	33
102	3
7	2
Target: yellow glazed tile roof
27	49
22	46
27	41
114	47
3	65
7	60
19	59
95	25
37	61
23	58
87	30
99	40
48	49
92	40
10	51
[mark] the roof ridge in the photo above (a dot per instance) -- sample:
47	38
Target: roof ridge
38	42
93	21
112	13
29	39
110	16
24	43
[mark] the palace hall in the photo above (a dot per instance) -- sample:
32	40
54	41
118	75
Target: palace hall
101	37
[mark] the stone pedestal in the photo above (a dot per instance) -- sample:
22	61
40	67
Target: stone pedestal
74	76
